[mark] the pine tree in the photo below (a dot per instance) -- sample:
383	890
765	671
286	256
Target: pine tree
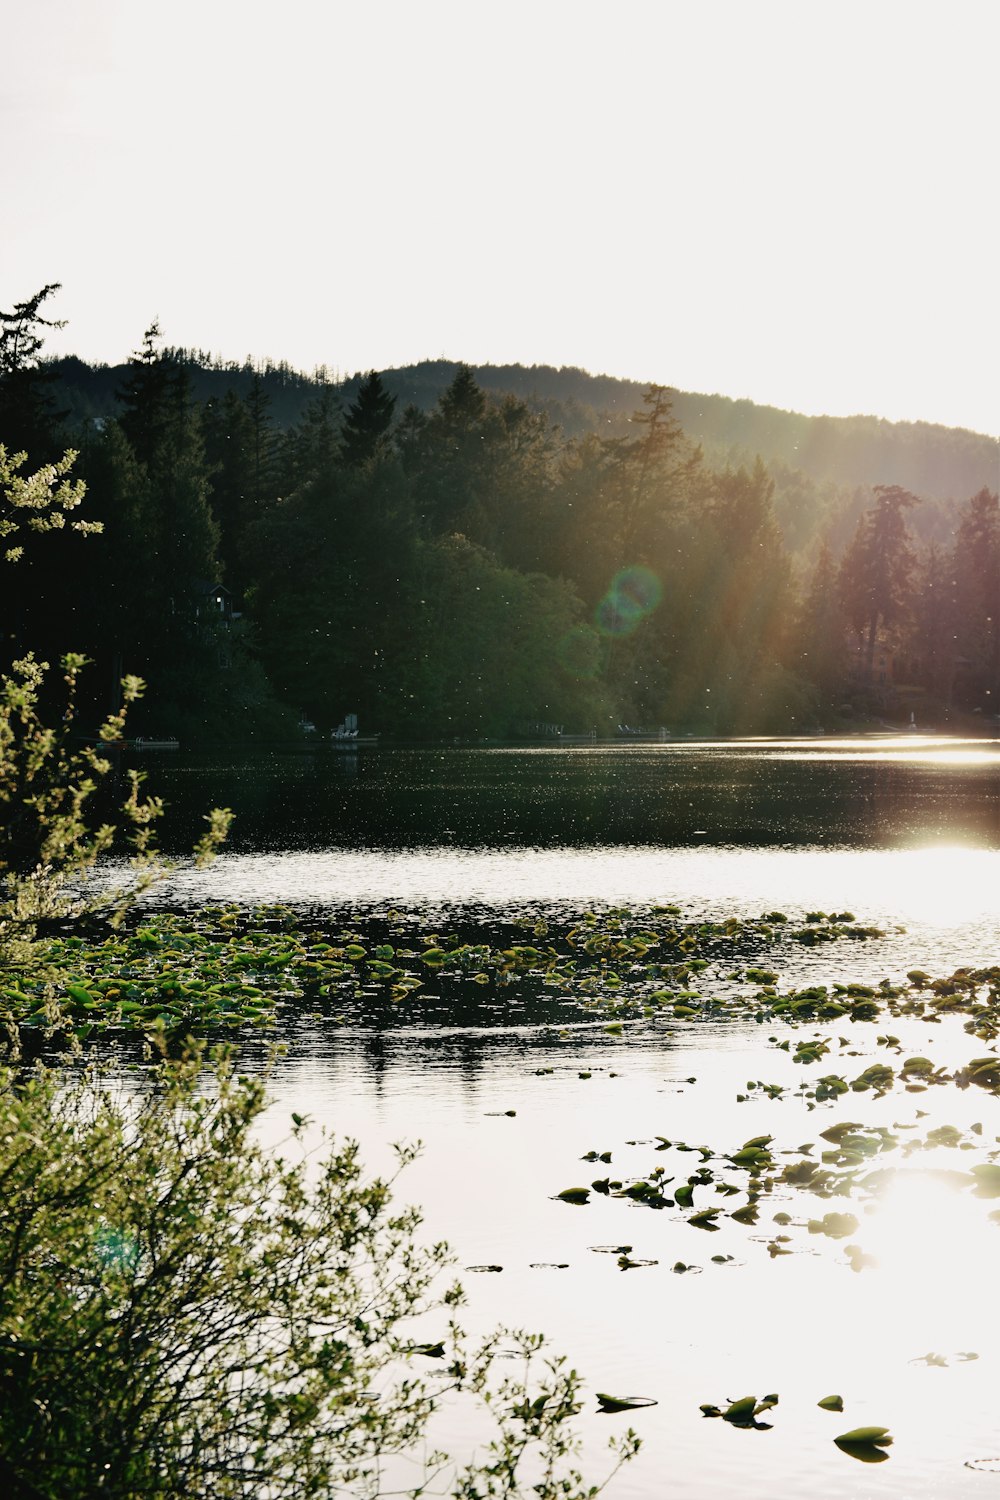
163	491
876	572
28	418
228	435
818	650
258	404
934	621
367	422
148	398
976	563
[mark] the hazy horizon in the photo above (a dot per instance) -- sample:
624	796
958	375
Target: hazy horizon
777	203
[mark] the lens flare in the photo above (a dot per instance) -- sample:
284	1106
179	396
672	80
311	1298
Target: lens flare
634	593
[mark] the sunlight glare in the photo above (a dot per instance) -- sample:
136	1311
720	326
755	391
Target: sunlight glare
936	1248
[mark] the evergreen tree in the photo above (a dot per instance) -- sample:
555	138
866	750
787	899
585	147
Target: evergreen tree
229	438
644	465
934	621
818	651
444	456
876	572
311	450
263	443
976	564
148	398
165	536
367	422
29	420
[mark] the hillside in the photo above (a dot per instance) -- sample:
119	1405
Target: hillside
471	573
935	462
824	468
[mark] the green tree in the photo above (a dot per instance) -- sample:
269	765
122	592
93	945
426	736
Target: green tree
28	418
163	553
329	566
263	445
645	466
48	776
367	421
444	455
514	659
148	398
934	622
231	459
818	649
877	570
311	449
976	566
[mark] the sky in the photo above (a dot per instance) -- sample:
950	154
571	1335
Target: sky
793	201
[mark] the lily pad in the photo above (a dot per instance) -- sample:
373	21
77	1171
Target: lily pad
877	1435
623	1403
987	1175
741	1410
866	1444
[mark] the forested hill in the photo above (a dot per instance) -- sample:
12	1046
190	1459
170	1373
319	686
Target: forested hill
935	462
480	554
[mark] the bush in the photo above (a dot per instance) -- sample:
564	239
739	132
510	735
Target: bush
184	1313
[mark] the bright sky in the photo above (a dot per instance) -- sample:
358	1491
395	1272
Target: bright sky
789	200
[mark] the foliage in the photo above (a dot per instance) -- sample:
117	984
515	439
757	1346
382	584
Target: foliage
366	421
346	532
49	776
167	976
46	496
185	1313
876	570
182	1312
27	415
976	612
47	782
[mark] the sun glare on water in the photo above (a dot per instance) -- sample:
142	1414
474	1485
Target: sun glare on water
935	1248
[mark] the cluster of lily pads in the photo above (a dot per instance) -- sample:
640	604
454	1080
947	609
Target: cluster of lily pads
868	1444
853	1160
224	968
778	1194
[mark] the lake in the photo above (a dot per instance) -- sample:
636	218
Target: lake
508	1090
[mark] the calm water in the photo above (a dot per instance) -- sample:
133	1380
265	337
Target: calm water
903	831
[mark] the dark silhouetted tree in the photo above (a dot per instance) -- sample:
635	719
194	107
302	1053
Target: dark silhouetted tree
877	571
976	564
29	420
367	422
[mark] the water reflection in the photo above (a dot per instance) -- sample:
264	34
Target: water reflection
938	904
508	1097
837	793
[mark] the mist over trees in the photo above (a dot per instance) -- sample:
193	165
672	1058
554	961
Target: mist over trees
460	553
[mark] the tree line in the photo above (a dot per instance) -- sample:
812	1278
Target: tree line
470	570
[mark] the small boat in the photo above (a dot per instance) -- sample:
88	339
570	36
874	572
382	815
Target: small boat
346	736
146	743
